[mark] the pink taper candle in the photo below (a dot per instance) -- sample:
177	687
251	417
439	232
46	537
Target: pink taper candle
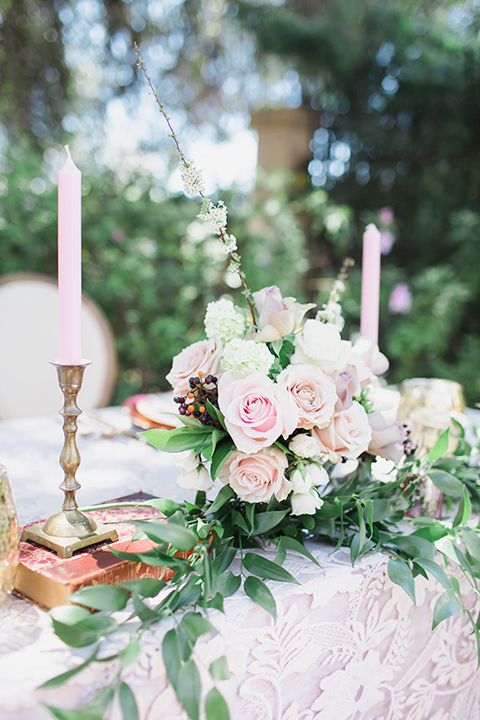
370	283
70	262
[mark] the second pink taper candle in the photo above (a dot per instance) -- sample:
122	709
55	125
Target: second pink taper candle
370	283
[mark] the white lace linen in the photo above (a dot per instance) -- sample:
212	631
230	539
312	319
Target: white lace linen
347	645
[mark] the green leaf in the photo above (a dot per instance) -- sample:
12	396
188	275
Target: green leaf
172	654
223	496
436	570
145	587
464	509
227	583
180	537
86	631
414	545
216	602
400	574
440	447
83	714
188	689
69	614
266	569
222	451
216	414
292	544
129	653
446	606
193	625
101	597
432	532
381	509
217	435
175	441
60	679
219	669
215	706
239	521
128	703
223	561
190	592
265	521
261	594
200	498
447	483
163	505
145	613
472	542
281	555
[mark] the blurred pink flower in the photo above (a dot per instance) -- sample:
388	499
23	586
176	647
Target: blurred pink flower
386	215
118	236
400	300
386	241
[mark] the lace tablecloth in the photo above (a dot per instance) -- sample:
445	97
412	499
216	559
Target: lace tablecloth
347	644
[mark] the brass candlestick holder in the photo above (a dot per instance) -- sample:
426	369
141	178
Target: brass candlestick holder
69	529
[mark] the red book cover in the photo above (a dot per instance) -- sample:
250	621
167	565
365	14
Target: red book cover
48	580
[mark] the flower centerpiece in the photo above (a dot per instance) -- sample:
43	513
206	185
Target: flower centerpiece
292	427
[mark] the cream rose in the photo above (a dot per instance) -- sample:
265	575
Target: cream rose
348	435
196	479
305	446
313	392
256	478
277	316
387	431
256	410
371	355
203	355
321	345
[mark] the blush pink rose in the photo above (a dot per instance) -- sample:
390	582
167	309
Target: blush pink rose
313	392
348	435
374	360
255	478
387	431
204	355
256	410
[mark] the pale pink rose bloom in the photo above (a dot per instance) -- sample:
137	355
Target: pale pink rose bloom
313	392
320	344
256	410
387	431
347	384
348	435
368	351
277	316
204	355
255	478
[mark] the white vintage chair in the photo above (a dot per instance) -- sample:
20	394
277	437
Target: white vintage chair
29	341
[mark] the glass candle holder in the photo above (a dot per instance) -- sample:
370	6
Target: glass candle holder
9	537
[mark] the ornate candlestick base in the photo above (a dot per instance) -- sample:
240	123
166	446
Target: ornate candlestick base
69	529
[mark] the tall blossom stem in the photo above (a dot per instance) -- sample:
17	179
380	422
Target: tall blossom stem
233	257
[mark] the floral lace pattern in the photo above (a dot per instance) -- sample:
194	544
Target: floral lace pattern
347	645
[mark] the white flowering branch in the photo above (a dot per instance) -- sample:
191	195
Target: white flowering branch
215	215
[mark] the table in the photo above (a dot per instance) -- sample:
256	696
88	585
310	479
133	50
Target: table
347	645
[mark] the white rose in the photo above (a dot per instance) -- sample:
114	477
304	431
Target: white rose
321	345
306	503
186	460
309	476
371	355
305	446
197	479
387	431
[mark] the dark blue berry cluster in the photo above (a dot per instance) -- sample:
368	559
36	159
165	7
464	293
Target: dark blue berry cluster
194	404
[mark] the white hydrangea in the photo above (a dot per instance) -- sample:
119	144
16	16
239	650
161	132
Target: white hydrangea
223	321
192	178
216	216
246	357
